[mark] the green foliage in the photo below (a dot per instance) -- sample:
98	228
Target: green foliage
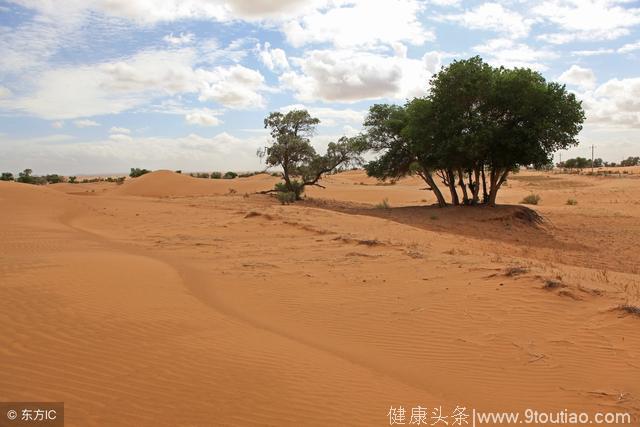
136	172
73	179
6	176
478	120
216	175
576	163
54	179
286	197
292	151
26	177
531	199
630	161
296	187
203	175
230	175
572	202
179	171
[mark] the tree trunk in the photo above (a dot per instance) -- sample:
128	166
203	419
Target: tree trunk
497	179
485	195
465	195
451	182
475	189
428	178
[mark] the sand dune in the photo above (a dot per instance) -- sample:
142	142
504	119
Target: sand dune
168	300
171	184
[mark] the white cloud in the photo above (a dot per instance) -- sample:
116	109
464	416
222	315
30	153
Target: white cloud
181	39
272	58
120	137
120	85
629	47
512	54
350	76
494	17
360	23
330	116
57	125
236	87
587	19
615	103
116	129
593	52
85	123
203	117
579	76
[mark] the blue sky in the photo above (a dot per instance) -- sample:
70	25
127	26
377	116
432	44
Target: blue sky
100	86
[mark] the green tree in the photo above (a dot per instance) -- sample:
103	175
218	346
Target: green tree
477	125
291	150
6	176
26	177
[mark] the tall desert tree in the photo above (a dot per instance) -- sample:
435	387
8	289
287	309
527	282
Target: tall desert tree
291	150
477	125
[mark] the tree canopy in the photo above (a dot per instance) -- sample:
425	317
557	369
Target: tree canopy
291	150
477	124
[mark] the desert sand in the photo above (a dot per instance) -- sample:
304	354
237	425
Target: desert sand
175	301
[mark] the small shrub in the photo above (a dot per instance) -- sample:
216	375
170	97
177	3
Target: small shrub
230	175
516	271
553	284
120	180
531	199
572	202
232	191
297	188
630	309
73	179
286	197
276	174
216	175
384	204
136	172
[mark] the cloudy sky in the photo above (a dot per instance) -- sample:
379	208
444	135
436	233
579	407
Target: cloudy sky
99	86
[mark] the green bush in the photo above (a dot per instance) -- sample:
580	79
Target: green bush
54	179
136	172
216	175
230	175
572	202
297	188
6	176
531	199
286	197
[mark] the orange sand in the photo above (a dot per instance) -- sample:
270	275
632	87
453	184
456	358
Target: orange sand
171	301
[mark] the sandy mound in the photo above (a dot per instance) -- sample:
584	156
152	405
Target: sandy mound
171	184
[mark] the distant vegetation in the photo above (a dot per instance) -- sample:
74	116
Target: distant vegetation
478	124
136	172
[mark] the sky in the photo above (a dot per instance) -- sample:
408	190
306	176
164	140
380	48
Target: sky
101	86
